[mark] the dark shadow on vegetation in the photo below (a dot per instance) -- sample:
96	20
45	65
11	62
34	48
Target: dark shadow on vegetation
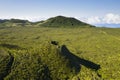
54	42
10	46
76	62
46	73
8	67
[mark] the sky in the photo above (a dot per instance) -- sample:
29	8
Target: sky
90	11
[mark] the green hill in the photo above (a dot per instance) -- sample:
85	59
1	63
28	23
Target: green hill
14	23
83	53
58	22
47	53
48	63
61	21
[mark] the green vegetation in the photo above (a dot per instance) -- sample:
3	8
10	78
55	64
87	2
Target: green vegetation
26	53
14	23
4	61
59	48
61	21
56	22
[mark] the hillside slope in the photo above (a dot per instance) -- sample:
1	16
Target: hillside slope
80	54
61	21
49	63
58	22
14	23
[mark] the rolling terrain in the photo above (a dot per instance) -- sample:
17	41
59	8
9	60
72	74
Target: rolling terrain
62	21
56	22
40	52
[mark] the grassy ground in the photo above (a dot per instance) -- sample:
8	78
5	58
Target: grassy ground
99	45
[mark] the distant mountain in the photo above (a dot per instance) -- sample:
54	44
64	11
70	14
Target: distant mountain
14	23
61	21
108	25
58	21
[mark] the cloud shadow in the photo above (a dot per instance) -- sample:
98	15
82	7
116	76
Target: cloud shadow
76	62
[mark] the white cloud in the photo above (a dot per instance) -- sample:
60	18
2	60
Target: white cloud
109	18
37	19
94	20
112	18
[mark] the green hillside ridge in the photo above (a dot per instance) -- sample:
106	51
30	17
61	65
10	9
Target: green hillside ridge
49	63
58	21
81	53
40	52
61	21
14	23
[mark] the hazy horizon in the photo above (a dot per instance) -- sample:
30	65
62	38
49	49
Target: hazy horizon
89	11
